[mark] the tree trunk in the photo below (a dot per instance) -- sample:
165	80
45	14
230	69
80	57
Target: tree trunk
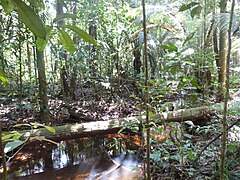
222	54
92	51
74	70
62	54
28	61
44	111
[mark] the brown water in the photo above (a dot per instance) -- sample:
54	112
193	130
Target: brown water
85	158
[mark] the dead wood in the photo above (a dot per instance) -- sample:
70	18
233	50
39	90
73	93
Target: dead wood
95	128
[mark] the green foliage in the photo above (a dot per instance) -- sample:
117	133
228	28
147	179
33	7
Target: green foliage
185	7
12	145
42	43
3	77
16	139
196	8
82	34
7	6
170	48
67	41
64	16
30	19
196	11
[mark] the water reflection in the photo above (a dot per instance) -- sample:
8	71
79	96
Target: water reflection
85	158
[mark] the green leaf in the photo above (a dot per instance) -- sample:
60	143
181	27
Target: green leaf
67	42
196	11
194	82
30	19
63	16
51	129
170	47
12	145
7	6
41	43
151	81
85	36
185	7
191	155
232	146
3	77
11	136
151	114
189	37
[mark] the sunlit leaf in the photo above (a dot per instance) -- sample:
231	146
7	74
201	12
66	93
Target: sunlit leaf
7	5
30	19
64	16
151	114
191	156
185	7
11	136
51	129
3	77
151	81
67	42
82	34
12	145
196	11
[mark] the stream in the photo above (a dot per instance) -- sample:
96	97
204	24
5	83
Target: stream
103	157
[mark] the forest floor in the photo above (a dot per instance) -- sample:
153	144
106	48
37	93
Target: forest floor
108	105
63	110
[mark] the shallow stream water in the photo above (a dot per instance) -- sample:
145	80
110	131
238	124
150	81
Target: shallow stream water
105	157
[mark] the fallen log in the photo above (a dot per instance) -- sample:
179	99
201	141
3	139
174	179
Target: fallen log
72	131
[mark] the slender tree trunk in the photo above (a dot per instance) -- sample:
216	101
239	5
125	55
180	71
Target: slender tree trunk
44	111
74	70
222	54
62	54
147	92
20	74
35	64
224	121
29	61
92	51
1	51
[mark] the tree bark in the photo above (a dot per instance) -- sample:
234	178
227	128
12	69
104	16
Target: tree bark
44	111
222	54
